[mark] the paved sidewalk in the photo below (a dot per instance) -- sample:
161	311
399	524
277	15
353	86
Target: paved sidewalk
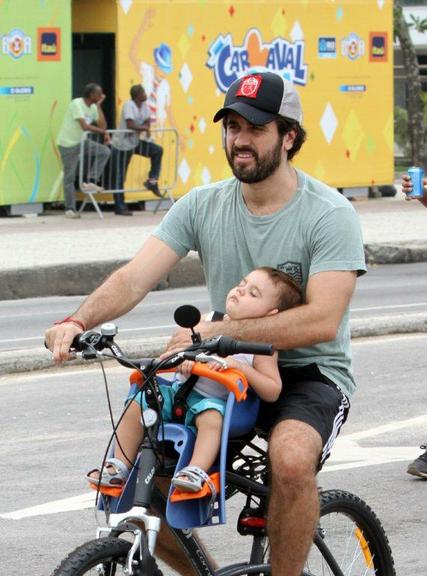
50	255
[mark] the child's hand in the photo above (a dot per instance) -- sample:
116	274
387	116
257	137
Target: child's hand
185	368
216	367
231	363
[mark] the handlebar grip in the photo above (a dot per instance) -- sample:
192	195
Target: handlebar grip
228	346
88	340
77	344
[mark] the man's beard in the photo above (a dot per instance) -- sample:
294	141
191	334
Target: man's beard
264	167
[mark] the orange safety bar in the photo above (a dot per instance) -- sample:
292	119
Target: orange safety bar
234	380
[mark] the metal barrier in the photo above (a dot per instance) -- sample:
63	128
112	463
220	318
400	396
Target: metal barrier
124	166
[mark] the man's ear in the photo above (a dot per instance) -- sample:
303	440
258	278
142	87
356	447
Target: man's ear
289	139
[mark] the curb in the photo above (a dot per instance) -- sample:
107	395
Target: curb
28	360
82	278
396	252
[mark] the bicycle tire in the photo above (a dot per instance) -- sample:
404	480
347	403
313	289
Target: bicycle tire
350	531
110	553
353	534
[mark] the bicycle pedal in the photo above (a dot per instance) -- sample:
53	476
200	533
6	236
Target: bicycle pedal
107	490
179	495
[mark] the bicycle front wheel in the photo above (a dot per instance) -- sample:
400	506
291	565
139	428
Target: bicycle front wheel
349	537
101	557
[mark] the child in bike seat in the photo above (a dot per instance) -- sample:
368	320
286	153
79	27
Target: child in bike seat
263	292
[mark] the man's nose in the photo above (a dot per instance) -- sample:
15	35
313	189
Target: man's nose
242	138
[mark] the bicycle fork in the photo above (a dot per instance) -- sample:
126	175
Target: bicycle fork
145	537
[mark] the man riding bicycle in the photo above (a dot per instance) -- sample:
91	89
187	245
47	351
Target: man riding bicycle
268	214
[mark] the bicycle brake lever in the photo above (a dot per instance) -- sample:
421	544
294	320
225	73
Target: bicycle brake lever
207	358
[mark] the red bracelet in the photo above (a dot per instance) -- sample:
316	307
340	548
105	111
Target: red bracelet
73	320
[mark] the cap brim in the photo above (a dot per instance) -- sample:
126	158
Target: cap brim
249	113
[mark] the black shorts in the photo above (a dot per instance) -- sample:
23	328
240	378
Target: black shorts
308	396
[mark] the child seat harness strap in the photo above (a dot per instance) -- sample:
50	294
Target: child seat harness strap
179	408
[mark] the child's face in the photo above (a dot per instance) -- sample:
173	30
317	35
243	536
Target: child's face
254	297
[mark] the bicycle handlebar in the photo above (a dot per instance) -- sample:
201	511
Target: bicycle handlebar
227	346
90	343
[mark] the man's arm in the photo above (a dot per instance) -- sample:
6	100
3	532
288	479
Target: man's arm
90	127
117	295
132	125
100	125
327	296
101	122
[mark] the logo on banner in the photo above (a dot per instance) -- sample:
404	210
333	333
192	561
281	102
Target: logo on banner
352	46
16	90
49	44
16	44
230	61
327	47
378	47
352	88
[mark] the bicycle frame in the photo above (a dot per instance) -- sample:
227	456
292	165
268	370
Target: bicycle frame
195	552
244	473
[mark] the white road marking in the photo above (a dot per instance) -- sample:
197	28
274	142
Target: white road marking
346	454
80	502
392	426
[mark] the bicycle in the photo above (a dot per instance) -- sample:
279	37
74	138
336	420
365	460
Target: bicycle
349	540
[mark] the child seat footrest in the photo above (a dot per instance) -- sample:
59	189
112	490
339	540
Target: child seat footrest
106	490
179	495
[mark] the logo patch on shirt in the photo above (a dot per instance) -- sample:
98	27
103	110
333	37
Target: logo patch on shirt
294	269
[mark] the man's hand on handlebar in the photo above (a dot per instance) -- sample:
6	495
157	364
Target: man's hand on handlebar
59	338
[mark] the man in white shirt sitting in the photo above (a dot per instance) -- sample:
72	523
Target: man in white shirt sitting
136	117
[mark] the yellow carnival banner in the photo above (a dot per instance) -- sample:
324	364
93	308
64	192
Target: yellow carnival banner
338	55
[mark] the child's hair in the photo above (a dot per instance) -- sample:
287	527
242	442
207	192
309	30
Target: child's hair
290	293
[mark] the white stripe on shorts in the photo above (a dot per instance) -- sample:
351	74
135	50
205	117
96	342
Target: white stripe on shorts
336	427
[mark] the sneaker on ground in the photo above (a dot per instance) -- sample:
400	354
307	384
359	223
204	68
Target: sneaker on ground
125	211
91	187
153	187
71	214
419	466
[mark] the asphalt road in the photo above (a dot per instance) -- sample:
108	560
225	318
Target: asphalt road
55	425
387	289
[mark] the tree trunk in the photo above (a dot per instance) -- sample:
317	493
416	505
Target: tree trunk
413	89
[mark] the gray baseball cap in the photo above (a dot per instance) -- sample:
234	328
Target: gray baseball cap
261	97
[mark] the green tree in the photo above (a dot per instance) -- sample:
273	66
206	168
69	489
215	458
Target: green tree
415	104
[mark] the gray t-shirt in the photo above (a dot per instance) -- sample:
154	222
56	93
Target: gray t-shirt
317	231
139	114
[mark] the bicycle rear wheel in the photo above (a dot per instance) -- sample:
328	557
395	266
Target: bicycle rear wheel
350	536
102	557
349	541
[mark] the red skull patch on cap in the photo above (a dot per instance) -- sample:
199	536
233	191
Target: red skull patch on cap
249	86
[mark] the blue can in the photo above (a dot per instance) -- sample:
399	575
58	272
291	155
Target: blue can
417	176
